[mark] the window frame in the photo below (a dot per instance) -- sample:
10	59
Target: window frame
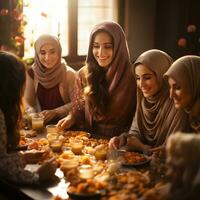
73	59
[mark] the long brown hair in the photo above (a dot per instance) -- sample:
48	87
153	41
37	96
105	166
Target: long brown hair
97	88
12	80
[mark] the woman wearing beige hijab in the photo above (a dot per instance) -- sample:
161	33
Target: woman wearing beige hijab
49	82
184	82
105	90
156	117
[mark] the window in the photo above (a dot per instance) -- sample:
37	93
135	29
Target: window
70	20
91	12
48	18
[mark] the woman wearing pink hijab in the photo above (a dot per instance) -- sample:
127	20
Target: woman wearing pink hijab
49	82
105	90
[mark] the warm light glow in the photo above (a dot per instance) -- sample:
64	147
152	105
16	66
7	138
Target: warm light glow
46	16
91	12
51	16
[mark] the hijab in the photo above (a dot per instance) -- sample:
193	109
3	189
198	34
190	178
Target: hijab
185	71
121	83
48	77
156	117
121	57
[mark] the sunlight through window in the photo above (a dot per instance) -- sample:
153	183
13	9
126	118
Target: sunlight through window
51	16
91	12
46	16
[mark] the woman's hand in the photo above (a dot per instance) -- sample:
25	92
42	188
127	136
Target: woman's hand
159	151
134	144
65	123
48	115
34	156
114	143
117	142
47	171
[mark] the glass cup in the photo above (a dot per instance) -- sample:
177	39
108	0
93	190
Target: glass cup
86	172
100	154
113	166
76	145
56	145
52	136
29	119
51	129
69	164
37	122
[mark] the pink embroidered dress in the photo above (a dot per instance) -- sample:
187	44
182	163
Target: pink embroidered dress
121	88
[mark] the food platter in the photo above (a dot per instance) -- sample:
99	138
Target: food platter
134	159
81	196
87	189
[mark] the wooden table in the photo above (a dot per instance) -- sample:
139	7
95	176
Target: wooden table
59	187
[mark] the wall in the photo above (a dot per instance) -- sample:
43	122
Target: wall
158	24
140	18
173	17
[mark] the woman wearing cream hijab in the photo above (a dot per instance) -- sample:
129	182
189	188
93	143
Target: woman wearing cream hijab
184	82
183	161
156	117
49	82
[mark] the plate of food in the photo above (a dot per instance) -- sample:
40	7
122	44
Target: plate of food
89	196
89	189
76	134
134	159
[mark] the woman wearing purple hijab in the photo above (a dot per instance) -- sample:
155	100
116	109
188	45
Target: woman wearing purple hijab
105	90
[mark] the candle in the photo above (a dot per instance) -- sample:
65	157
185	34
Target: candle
59	29
86	172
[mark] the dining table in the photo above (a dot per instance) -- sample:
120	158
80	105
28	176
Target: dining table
137	181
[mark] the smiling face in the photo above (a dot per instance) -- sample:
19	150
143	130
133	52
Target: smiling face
146	80
103	49
48	55
180	95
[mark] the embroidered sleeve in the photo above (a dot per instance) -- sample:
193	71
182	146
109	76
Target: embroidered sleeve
78	107
12	164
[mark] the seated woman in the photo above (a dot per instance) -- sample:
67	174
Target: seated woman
105	90
184	82
49	82
12	81
156	117
183	161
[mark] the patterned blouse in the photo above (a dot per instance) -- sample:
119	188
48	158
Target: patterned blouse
107	125
12	164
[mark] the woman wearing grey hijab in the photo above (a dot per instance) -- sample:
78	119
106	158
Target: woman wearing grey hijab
184	82
156	117
184	166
